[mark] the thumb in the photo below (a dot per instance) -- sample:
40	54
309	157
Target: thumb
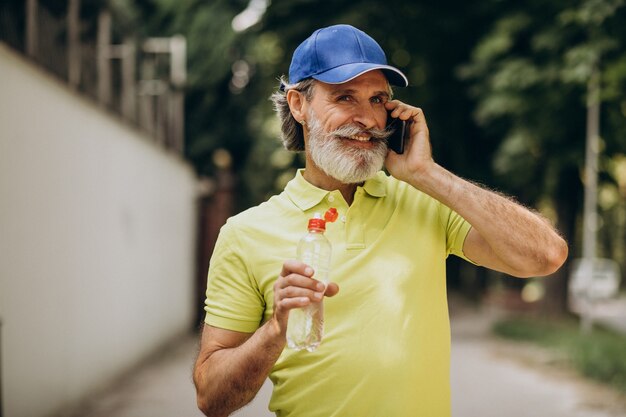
331	289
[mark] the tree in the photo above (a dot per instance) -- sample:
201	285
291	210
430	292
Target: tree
529	76
502	85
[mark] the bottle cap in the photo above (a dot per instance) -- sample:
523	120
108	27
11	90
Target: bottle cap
331	215
317	223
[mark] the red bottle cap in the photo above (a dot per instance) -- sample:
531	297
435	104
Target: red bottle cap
317	224
331	215
320	224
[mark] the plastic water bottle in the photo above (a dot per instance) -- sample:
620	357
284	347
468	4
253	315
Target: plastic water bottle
305	327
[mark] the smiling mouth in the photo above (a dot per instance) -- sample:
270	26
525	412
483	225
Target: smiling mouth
360	138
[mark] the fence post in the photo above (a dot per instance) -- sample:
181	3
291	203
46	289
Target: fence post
73	44
129	93
31	28
590	209
178	76
104	63
146	95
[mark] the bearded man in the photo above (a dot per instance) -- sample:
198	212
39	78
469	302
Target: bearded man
386	347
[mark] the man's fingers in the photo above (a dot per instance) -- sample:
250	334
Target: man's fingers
314	292
297	292
301	281
295	266
296	287
402	111
287	304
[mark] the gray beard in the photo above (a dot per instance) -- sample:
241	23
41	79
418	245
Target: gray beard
338	159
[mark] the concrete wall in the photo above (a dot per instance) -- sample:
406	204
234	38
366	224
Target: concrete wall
96	243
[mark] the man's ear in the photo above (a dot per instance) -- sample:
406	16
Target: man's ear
297	104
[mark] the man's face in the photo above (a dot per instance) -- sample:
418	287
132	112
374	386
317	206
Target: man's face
359	102
346	122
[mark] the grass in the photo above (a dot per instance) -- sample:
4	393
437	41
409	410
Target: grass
601	355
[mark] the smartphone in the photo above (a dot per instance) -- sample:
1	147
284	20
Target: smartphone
399	134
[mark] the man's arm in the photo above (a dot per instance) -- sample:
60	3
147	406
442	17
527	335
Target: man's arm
505	236
232	366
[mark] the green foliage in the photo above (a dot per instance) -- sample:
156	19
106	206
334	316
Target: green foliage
602	358
528	76
213	112
600	355
231	74
503	86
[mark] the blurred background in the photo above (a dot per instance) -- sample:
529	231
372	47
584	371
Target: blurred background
131	129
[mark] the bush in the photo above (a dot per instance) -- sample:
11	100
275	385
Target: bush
601	355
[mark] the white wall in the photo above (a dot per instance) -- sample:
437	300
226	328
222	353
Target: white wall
96	243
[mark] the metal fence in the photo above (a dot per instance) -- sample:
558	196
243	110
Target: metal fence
140	79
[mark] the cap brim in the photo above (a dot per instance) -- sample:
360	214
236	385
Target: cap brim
345	73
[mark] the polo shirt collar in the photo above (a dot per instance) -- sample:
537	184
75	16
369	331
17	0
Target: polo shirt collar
305	195
376	186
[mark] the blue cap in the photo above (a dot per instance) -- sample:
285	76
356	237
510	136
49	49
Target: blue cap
340	53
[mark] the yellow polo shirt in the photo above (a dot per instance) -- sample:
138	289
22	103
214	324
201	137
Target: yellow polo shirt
386	346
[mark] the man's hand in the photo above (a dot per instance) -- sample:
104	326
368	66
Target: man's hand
295	288
232	366
417	157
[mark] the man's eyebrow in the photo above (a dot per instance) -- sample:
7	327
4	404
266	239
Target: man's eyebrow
350	91
343	91
383	93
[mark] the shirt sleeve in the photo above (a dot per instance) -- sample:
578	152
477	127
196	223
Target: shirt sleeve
457	229
233	299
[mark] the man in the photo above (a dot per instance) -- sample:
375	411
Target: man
386	346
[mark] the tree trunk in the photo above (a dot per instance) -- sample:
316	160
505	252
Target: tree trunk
567	201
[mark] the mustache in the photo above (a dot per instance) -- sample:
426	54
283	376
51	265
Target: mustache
350	130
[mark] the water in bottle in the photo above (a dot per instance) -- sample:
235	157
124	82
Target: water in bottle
306	325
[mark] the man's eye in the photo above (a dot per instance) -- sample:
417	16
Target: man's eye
377	100
344	98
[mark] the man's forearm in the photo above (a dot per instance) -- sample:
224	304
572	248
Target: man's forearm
230	378
521	239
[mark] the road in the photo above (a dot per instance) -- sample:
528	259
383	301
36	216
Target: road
489	378
495	378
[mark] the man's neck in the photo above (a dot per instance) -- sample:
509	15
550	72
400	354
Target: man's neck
319	179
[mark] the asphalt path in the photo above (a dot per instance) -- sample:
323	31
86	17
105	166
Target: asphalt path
489	378
494	378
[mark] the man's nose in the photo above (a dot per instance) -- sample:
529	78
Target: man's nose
366	116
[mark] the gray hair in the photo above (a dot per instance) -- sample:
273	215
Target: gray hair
292	135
